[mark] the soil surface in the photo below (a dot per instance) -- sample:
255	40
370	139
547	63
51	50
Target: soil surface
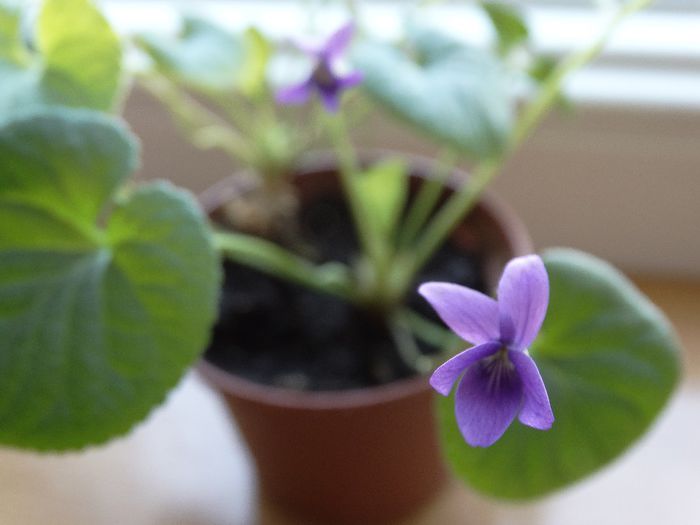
274	332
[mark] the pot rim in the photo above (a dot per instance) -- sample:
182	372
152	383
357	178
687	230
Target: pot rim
512	228
316	399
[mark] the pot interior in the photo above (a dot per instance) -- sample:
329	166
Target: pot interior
277	333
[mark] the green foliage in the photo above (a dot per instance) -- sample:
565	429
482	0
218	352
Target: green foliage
540	71
77	61
509	25
542	68
11	48
332	277
252	76
456	93
104	300
203	56
381	192
383	189
610	362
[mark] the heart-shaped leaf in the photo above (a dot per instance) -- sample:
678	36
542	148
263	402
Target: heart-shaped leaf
204	55
77	61
509	25
453	92
104	301
609	360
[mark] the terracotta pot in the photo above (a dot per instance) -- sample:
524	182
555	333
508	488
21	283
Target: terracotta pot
358	456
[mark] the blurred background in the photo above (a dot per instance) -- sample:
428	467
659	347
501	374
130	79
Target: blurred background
617	174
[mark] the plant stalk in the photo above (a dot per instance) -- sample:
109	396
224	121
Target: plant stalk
268	257
205	128
428	195
349	169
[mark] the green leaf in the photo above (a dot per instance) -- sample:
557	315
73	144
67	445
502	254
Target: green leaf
609	360
101	309
457	94
11	48
77	61
252	74
509	25
204	55
382	190
81	55
39	155
542	68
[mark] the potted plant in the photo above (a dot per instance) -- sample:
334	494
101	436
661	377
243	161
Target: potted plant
109	290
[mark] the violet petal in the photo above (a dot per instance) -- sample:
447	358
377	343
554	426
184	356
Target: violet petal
446	374
312	49
536	411
338	41
488	398
350	80
470	314
523	296
296	94
330	99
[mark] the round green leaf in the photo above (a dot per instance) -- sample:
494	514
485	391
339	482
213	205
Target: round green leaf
100	313
609	360
457	94
203	55
43	150
76	60
81	55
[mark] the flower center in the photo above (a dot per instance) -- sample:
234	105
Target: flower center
499	369
323	77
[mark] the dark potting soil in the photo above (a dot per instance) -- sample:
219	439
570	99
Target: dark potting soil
275	332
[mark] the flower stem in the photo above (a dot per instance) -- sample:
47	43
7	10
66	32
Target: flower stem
463	200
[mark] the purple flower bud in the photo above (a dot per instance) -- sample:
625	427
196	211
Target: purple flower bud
324	79
499	379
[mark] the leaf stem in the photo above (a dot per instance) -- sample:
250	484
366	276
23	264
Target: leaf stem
205	128
407	346
268	257
428	195
349	169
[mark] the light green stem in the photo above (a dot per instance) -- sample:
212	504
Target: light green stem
349	169
462	202
434	334
428	195
205	128
407	346
268	257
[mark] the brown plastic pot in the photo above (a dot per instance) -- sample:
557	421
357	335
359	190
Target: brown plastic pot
358	456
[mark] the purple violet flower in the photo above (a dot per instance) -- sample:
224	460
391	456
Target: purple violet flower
499	378
324	78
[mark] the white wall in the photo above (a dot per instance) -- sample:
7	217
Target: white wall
622	184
